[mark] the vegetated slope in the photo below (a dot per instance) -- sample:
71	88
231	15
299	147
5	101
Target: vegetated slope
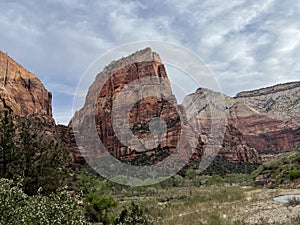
284	171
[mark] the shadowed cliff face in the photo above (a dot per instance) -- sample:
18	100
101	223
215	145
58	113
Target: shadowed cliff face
21	91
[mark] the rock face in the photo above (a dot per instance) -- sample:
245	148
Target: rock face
268	118
133	119
146	112
21	91
137	109
236	149
209	106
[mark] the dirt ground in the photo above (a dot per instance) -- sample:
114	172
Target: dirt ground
260	206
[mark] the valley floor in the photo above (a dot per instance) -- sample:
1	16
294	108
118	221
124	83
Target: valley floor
218	205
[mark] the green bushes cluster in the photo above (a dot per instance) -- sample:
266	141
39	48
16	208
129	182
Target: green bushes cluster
16	207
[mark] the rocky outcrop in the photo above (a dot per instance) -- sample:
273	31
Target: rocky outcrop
236	149
265	119
21	91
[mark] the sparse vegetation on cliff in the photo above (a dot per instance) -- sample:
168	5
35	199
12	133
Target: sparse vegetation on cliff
282	171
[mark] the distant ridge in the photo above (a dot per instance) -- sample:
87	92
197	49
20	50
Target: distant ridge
269	90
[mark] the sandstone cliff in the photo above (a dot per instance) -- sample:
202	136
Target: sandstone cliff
143	107
266	119
209	106
21	91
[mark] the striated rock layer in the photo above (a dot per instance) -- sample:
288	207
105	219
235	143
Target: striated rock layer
209	105
268	118
272	120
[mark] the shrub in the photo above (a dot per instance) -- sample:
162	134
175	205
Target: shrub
133	215
18	208
98	206
294	174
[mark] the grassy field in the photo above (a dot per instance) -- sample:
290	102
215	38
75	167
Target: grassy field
216	205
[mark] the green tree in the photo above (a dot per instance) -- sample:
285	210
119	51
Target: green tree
191	174
29	151
294	174
7	144
42	161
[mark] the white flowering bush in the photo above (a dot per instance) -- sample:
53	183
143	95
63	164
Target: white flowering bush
18	208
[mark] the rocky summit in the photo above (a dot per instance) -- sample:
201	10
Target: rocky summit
272	121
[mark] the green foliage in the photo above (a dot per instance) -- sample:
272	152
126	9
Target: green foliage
27	152
222	166
214	180
132	215
294	174
238	178
85	182
282	170
7	144
18	208
98	206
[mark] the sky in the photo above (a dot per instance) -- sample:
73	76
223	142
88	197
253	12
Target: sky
246	44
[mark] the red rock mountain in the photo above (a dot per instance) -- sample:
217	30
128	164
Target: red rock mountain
21	91
117	76
140	107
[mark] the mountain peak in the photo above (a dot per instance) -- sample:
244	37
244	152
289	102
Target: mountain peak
144	55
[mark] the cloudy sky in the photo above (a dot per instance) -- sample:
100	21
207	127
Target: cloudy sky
246	44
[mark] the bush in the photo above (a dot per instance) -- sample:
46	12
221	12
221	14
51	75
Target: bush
97	207
294	174
133	215
18	208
